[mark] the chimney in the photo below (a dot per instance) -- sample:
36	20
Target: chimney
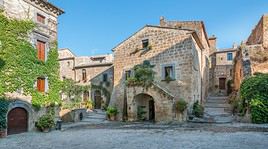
213	41
235	46
162	21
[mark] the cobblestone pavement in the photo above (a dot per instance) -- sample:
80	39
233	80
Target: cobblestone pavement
132	138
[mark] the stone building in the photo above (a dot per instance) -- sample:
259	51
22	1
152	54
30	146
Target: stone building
252	55
96	71
221	71
21	116
179	51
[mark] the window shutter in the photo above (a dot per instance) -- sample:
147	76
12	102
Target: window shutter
46	84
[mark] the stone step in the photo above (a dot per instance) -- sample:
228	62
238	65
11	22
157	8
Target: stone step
216	101
217	98
217	105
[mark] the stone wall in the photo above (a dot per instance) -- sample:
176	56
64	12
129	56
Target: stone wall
168	46
27	10
259	34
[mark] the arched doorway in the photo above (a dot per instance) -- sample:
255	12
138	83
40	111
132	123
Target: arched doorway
17	121
97	99
145	107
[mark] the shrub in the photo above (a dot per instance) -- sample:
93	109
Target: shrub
254	95
198	110
255	87
259	111
111	111
181	105
45	122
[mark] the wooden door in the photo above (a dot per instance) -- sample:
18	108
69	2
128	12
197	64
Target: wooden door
97	99
41	49
17	121
151	110
222	82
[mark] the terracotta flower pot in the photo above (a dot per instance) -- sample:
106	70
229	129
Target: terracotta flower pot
112	117
3	133
45	130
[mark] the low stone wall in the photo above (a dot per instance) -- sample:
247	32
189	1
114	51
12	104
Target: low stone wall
72	115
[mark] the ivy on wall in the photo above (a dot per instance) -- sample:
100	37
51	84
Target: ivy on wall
20	67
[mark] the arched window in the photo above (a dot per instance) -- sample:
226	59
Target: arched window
84	75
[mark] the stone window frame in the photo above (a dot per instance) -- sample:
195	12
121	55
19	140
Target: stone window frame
84	75
230	56
41	14
129	72
105	77
173	75
145	43
46	83
38	37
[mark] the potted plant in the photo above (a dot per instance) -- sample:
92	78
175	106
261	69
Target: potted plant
111	113
45	123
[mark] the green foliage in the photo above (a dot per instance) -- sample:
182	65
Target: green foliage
111	111
254	95
45	122
181	106
20	67
259	111
73	104
143	75
3	112
254	87
141	113
198	110
73	90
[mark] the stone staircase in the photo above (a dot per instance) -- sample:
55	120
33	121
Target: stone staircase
95	117
218	110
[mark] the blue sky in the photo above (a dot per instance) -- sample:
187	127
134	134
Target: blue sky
91	27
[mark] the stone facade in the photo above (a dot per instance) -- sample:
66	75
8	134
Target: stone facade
88	70
252	55
185	50
221	70
45	32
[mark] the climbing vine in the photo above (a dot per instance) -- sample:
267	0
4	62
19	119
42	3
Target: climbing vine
20	67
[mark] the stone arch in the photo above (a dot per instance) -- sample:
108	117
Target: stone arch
163	102
19	104
145	107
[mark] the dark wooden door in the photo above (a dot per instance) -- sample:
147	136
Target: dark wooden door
151	110
17	121
97	99
222	82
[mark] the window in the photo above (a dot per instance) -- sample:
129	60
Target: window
145	43
231	72
41	50
105	77
168	72
41	84
41	18
84	75
128	74
229	56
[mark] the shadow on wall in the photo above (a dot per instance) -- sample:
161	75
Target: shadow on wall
181	54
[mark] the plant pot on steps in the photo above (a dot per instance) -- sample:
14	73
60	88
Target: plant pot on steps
3	133
45	130
112	118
